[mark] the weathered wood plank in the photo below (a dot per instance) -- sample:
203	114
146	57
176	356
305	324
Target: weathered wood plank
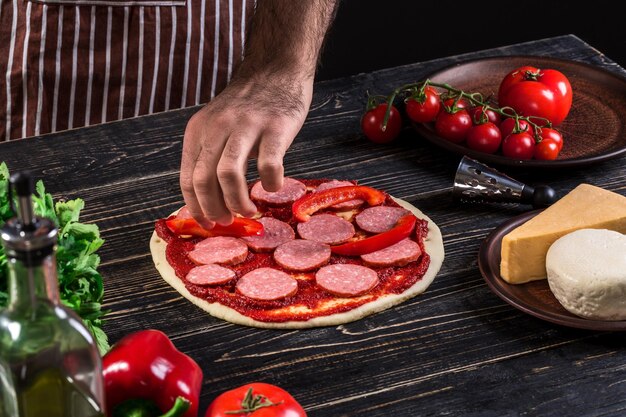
457	349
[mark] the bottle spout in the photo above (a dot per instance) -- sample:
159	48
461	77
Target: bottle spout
23	186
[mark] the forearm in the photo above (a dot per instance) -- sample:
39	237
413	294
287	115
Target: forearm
286	37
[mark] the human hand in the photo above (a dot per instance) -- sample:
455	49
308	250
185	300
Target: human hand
256	117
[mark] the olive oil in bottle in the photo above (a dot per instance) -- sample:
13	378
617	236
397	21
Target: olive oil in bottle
49	362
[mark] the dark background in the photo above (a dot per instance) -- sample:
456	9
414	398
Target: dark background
368	35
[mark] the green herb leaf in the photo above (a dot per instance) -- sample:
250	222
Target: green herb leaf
80	284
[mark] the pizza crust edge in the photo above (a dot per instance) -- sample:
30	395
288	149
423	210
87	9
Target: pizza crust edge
433	245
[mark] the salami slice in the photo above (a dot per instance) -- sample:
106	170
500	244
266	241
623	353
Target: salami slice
219	250
398	254
276	233
346	205
380	218
302	255
291	191
210	274
346	280
326	228
267	284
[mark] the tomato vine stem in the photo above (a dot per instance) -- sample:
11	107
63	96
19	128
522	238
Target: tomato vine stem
475	98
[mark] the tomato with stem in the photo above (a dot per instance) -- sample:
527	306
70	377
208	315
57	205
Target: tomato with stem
372	124
482	114
546	150
423	107
507	126
519	146
537	93
453	126
257	399
553	135
484	137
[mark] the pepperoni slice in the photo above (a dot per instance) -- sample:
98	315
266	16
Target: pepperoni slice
291	191
346	280
346	205
276	233
219	250
398	254
380	218
210	274
302	255
326	228
267	284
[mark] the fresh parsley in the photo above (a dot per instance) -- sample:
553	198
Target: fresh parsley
80	284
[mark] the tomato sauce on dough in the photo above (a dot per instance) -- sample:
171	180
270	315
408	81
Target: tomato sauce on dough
310	300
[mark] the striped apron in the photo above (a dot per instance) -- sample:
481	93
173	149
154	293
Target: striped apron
66	64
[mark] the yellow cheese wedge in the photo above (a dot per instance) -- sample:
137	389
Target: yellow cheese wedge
524	249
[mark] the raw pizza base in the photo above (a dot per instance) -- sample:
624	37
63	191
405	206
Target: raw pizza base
433	244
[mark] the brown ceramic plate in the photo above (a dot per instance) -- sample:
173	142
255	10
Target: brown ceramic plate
535	297
594	130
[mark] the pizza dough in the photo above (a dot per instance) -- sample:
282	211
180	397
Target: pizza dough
433	244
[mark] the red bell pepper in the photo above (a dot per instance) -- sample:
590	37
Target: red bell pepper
401	230
304	207
146	376
238	228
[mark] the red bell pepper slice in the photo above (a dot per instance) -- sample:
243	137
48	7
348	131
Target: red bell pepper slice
144	372
401	230
240	227
304	207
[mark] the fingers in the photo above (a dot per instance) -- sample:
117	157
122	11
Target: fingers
272	148
216	149
207	187
231	172
190	154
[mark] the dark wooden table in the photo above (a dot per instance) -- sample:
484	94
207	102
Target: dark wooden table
455	350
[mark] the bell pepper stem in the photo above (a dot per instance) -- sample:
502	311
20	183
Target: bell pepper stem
145	408
181	405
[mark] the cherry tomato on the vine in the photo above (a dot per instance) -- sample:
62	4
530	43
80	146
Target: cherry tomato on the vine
546	150
482	114
372	124
425	111
485	137
508	125
519	146
453	126
460	103
257	399
553	135
546	93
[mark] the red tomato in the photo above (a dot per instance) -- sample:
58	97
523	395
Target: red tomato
460	104
425	111
553	135
508	125
453	126
372	124
534	92
279	403
546	150
519	146
483	114
485	137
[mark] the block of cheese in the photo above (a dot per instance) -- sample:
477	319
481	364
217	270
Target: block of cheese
585	207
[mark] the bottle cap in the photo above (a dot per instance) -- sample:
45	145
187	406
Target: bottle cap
27	237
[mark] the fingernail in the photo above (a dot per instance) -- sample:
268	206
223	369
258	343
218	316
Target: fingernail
225	221
250	212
